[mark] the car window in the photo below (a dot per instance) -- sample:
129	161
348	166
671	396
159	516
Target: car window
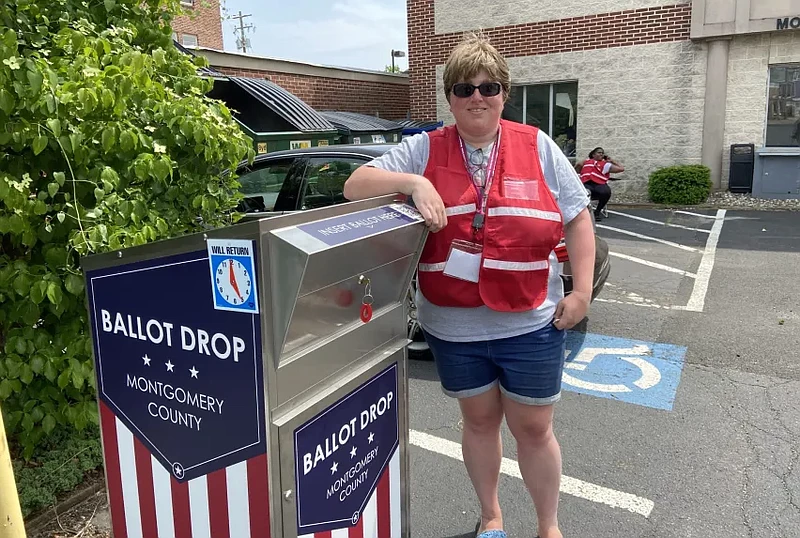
325	177
261	186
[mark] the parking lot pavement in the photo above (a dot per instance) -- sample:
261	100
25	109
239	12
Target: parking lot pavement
679	415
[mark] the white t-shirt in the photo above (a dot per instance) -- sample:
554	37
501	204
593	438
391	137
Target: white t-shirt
457	324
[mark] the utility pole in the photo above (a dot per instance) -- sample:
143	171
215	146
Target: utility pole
242	41
11	525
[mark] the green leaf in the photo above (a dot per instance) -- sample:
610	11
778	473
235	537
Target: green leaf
55	125
50	371
108	98
49	423
26	374
50	101
140	168
61	216
108	139
35	80
6	101
22	284
99	193
52	189
38	291
54	293
56	257
37	364
59	177
127	141
29	313
161	169
5	389
74	284
63	379
39	143
13	361
39	208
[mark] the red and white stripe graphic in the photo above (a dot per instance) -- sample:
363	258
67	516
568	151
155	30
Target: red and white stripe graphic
147	502
381	516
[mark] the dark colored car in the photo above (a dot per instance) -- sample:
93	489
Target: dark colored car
301	179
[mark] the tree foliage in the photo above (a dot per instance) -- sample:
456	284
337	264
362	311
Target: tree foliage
107	140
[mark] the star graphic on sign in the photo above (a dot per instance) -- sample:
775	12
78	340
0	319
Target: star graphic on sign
334	467
194	372
170	366
371	437
146	360
353	452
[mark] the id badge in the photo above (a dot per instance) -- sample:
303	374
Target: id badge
464	261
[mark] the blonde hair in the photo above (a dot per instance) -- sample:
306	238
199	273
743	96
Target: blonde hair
470	57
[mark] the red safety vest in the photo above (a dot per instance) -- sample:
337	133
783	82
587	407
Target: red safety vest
592	170
522	226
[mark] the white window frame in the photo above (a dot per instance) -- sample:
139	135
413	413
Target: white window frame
196	40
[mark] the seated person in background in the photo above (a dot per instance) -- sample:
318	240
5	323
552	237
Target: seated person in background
595	173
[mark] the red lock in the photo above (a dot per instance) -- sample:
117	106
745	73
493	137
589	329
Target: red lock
366	302
366	312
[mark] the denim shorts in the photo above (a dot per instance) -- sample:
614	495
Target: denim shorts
527	367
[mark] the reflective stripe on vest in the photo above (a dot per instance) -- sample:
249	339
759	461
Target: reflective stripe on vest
593	170
524	212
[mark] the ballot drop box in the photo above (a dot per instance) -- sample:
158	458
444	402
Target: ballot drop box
252	379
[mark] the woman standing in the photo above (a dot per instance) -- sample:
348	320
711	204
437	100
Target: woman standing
497	197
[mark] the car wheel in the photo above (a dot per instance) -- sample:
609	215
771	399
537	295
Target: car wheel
417	348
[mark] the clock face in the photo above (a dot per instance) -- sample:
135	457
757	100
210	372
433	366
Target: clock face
233	282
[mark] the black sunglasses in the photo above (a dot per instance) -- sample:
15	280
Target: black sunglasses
487	89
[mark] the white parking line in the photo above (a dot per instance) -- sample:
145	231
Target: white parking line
697	300
696	214
570	486
647	237
654	265
669	224
634	303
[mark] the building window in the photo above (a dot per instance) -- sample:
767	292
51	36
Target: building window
783	114
189	40
189	3
174	36
553	108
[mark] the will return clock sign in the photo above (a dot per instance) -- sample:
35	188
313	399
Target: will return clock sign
233	278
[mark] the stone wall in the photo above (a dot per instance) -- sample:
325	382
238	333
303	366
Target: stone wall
642	104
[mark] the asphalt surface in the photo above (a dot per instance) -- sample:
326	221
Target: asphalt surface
713	449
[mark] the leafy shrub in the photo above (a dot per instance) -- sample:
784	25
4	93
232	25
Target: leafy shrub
57	468
107	141
680	185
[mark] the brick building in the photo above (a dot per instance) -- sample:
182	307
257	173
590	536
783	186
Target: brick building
201	26
322	87
655	82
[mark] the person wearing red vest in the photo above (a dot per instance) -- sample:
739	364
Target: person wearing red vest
595	174
497	197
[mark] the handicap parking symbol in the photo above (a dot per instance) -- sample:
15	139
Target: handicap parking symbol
631	371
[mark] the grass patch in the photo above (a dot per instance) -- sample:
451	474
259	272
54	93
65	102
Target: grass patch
59	467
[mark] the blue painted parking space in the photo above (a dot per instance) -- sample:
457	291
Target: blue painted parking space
630	371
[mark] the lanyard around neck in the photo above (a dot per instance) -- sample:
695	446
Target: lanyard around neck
491	166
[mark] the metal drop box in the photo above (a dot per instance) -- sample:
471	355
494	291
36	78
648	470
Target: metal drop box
252	379
777	173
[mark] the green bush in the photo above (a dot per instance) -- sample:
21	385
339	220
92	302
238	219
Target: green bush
57	468
680	185
107	141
